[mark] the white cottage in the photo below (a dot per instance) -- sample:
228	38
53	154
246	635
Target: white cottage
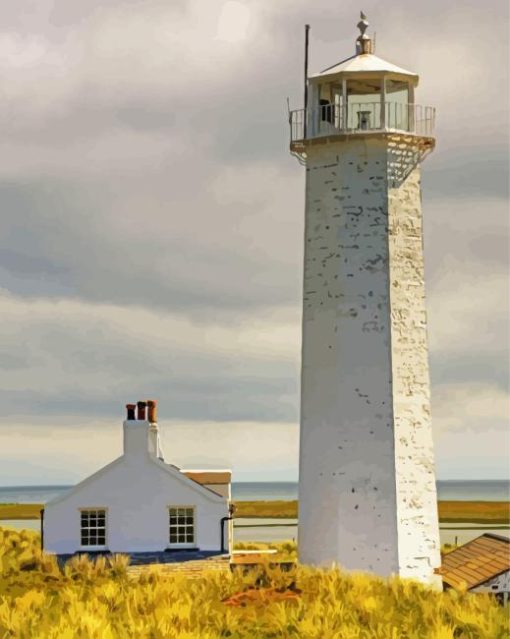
140	503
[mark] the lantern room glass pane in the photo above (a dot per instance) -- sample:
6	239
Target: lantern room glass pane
397	105
364	104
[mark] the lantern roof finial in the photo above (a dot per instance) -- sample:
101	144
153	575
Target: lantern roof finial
363	41
363	23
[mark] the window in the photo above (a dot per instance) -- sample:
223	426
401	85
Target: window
182	525
397	107
93	527
363	104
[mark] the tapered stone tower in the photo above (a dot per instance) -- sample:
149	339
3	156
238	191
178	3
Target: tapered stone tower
367	493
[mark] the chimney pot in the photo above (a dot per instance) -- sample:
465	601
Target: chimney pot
130	412
141	410
153	410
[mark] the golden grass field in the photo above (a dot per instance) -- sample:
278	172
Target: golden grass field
482	512
102	599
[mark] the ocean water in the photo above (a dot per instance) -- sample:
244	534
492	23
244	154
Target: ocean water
448	490
454	490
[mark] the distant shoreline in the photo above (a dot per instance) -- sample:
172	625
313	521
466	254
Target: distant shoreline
450	512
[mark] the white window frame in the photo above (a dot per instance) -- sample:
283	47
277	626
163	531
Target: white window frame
94	509
177	507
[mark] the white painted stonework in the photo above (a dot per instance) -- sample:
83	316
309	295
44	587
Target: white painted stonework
367	495
136	490
501	583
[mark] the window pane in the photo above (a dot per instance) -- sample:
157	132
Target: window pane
93	527
181	524
363	104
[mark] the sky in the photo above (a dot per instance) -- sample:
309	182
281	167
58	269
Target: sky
151	227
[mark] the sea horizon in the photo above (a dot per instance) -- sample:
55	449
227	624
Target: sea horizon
447	489
268	481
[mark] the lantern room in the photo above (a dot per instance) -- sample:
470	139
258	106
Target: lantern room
361	94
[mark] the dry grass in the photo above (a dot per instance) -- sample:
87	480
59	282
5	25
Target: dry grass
477	512
481	512
20	511
99	600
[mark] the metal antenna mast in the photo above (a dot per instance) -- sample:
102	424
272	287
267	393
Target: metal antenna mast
307	29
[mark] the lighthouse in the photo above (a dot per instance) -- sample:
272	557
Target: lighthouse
367	492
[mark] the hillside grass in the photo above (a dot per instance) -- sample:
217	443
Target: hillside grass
477	512
20	511
482	512
101	600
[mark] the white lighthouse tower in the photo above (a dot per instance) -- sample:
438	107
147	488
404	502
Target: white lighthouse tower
367	493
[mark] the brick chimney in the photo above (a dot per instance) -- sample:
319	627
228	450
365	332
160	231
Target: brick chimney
141	433
155	448
136	430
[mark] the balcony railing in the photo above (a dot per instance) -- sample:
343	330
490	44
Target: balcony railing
361	117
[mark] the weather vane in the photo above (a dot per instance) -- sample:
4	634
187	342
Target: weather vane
362	24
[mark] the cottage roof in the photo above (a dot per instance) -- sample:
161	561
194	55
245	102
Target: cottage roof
172	470
364	63
206	477
477	561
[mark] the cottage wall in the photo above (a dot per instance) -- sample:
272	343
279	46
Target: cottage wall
136	493
501	583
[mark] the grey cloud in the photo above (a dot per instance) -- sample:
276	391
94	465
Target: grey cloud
477	172
63	249
490	248
12	361
180	401
90	366
22	264
151	230
219	397
469	234
470	367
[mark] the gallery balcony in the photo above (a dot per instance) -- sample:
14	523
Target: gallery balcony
411	122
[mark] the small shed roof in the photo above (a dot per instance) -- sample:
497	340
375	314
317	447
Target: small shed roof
364	63
477	561
206	477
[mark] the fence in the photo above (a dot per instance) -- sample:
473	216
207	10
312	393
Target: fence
359	117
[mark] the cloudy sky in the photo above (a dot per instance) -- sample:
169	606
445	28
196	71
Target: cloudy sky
152	220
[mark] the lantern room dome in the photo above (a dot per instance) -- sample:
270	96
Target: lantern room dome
365	63
362	95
